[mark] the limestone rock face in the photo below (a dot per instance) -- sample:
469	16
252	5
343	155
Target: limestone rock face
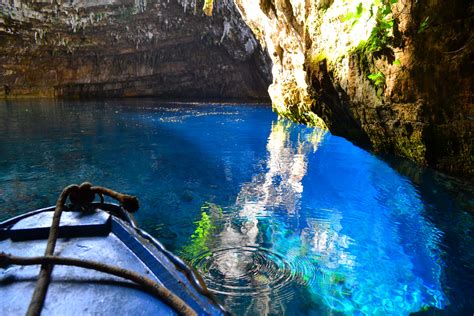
119	48
393	76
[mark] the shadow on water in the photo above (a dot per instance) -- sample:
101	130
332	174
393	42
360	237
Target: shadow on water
449	205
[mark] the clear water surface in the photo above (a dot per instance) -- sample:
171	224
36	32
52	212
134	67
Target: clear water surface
278	217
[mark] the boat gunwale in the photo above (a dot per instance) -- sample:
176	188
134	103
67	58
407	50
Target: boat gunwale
190	274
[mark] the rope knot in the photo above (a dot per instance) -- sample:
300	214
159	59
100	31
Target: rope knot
82	195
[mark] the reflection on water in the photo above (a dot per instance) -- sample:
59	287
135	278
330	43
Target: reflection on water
278	217
266	251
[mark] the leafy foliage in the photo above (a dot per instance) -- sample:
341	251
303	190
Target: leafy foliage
378	79
425	24
204	227
381	36
354	16
380	42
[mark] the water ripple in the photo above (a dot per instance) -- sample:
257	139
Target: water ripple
249	271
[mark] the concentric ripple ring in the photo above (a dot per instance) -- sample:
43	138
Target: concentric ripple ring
244	271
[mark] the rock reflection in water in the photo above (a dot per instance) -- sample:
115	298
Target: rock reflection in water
268	251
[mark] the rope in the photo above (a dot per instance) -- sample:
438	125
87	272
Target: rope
153	287
39	294
83	196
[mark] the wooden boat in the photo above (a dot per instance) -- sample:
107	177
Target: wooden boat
142	277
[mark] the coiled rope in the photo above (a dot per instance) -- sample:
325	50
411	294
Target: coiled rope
83	196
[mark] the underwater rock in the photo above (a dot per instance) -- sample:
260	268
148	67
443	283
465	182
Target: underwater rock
187	196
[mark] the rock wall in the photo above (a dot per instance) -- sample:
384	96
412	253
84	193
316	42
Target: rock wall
116	48
392	76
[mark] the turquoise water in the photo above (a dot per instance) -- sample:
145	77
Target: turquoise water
279	218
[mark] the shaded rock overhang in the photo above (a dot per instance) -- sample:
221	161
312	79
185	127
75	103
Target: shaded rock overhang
122	48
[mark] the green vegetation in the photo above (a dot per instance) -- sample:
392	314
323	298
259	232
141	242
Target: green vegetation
315	59
380	43
302	115
377	79
424	25
204	228
296	106
354	16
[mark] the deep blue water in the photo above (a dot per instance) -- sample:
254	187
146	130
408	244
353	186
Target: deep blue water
278	217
